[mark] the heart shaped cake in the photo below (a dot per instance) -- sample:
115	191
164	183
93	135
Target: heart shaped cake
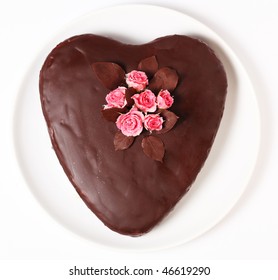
132	125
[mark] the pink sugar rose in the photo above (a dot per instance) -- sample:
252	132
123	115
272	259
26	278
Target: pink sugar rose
164	99
145	101
153	122
116	98
137	79
131	123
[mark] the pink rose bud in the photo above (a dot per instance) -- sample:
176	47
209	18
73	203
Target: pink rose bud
164	99
153	122
131	123
145	101
116	98
137	80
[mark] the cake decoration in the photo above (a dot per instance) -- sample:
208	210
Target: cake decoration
131	123
153	122
145	101
116	98
137	80
142	108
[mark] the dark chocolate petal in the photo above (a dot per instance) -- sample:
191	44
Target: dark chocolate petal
122	142
153	147
110	74
164	78
170	120
111	114
149	65
128	94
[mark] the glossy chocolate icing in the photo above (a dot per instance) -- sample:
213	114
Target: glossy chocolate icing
128	191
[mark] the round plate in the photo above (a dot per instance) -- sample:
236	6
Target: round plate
219	184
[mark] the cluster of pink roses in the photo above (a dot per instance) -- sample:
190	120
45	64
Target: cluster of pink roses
146	103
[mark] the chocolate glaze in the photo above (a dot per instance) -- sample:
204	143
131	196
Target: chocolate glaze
128	191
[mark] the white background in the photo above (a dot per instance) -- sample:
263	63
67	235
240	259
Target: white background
250	231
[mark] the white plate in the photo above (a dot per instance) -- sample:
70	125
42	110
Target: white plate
220	183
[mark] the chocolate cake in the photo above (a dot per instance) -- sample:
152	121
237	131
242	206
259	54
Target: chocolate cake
132	125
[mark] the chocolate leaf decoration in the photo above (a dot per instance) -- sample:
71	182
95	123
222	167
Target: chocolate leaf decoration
110	74
170	120
128	94
149	65
153	147
112	114
122	142
164	78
